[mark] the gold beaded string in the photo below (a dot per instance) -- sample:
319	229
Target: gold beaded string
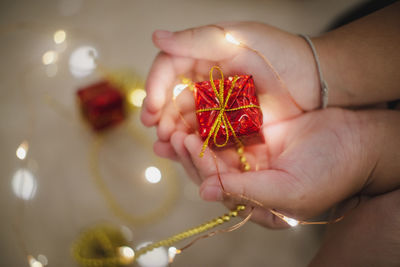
195	231
112	243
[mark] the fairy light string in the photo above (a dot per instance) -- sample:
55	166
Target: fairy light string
117	251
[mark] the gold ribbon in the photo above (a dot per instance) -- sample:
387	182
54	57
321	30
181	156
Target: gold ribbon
222	119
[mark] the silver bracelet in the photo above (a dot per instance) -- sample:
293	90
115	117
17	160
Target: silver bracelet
324	86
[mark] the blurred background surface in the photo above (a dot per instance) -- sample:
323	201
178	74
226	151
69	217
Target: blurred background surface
48	192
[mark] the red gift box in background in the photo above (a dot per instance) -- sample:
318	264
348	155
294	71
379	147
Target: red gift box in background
102	105
245	121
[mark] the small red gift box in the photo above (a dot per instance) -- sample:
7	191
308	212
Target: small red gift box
227	116
102	105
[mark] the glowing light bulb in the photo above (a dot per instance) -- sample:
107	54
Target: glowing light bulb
49	57
127	254
172	251
59	36
153	175
33	262
231	39
22	150
178	89
136	97
292	222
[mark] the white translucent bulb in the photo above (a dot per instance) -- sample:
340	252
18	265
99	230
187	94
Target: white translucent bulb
231	39
152	175
172	251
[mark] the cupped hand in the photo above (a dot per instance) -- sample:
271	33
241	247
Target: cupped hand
193	52
306	165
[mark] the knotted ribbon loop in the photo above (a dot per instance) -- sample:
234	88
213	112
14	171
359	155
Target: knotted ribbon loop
222	119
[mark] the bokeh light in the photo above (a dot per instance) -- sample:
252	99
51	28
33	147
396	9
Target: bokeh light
152	175
22	150
157	257
49	57
82	61
127	254
59	36
136	97
24	184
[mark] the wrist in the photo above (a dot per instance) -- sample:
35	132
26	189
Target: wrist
380	130
328	53
305	86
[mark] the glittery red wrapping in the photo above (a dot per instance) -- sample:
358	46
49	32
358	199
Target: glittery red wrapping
245	122
102	105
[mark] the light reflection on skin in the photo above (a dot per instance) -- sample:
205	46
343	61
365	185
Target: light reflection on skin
155	258
178	89
24	184
82	61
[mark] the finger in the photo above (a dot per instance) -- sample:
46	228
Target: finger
184	156
164	150
149	118
161	78
178	114
206	42
207	165
270	188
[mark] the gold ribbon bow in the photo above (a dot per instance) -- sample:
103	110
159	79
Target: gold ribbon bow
222	119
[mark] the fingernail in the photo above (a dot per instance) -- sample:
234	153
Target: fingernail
211	193
161	34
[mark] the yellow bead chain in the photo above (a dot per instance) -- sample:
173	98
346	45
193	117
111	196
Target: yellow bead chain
191	232
98	247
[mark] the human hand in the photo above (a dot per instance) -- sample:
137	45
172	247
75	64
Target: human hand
193	52
307	165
